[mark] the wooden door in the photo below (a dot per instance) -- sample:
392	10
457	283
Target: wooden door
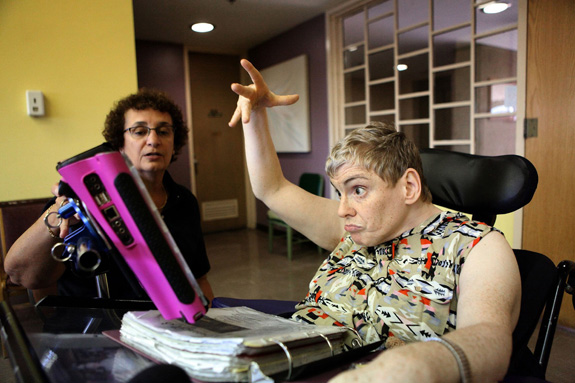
218	149
548	219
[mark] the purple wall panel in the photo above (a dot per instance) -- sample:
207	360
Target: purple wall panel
161	66
309	39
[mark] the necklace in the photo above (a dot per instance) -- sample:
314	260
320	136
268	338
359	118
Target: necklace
165	200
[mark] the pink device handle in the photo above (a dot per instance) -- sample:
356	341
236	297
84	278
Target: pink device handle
118	201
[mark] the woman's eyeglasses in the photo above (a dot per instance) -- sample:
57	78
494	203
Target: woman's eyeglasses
143	131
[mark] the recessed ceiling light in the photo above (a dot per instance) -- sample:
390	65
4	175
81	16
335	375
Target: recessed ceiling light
202	27
401	67
494	7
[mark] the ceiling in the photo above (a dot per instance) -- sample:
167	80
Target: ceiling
240	24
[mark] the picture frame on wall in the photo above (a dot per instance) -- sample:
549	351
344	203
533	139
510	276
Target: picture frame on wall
290	125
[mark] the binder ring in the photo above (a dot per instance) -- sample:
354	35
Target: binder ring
358	342
327	340
288	355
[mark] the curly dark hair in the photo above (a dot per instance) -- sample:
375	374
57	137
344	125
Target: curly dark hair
144	99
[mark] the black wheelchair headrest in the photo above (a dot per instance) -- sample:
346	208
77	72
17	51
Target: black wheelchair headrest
479	185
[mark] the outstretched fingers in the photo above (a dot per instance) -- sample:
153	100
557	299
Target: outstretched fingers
256	95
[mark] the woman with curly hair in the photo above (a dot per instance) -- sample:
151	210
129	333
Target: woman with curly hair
149	129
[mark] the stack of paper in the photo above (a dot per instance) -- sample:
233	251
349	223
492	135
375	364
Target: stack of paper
221	346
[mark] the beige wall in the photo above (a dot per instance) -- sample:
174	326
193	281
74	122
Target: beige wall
81	55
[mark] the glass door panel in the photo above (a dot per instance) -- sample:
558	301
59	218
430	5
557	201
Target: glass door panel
452	47
414	108
448	13
495	136
452	85
413	40
381	97
496	56
496	98
418	133
452	123
416	77
381	65
411	12
380	33
353	29
355	86
485	22
353	56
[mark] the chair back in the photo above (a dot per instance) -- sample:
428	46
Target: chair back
312	182
482	186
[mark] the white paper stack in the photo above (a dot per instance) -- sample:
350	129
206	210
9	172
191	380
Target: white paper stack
221	346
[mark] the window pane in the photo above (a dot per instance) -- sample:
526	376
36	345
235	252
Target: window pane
416	77
355	86
353	56
414	108
355	115
380	33
488	22
380	9
452	47
381	65
496	56
447	13
388	118
452	123
495	136
452	85
497	98
411	12
419	134
413	40
381	97
353	29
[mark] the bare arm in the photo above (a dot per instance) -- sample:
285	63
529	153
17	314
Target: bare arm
487	312
315	217
29	262
206	288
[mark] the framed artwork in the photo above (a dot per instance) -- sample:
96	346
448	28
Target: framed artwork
289	125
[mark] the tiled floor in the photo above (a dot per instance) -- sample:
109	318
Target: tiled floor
242	267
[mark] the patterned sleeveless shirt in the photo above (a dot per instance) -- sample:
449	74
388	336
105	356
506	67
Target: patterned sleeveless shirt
406	287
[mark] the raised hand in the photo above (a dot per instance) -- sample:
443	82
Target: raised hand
256	95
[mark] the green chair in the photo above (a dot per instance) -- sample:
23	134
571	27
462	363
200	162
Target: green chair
310	182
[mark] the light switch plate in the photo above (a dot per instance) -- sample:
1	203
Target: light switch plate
35	103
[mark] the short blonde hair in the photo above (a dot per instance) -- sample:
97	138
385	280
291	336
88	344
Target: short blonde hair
378	147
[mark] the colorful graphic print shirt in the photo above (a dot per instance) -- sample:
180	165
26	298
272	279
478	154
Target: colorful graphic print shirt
406	287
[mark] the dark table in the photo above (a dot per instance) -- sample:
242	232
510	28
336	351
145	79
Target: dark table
60	340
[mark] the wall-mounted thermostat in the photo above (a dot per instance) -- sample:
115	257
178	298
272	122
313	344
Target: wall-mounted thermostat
35	103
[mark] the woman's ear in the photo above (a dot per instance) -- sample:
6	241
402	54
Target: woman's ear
412	186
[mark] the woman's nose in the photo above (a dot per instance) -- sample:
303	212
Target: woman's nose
153	138
344	209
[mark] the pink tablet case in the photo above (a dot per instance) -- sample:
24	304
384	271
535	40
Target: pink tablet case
116	198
